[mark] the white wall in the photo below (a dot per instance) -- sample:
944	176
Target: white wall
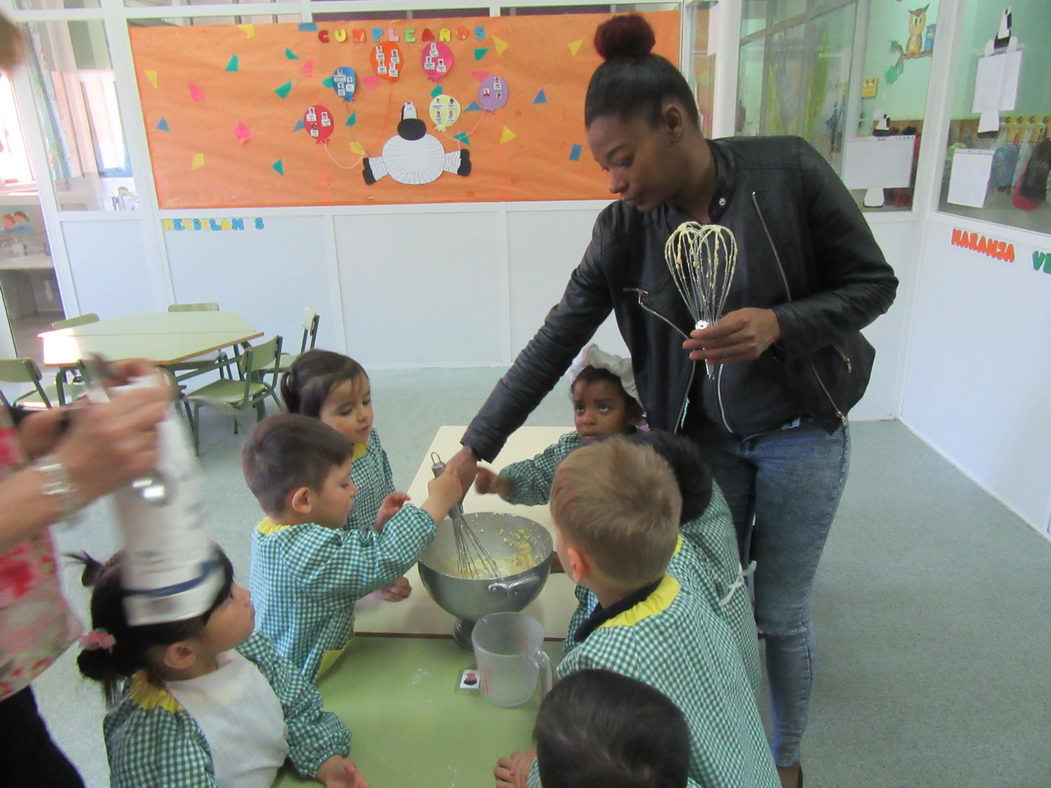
978	375
111	271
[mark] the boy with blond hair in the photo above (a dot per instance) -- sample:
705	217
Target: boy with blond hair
307	570
616	509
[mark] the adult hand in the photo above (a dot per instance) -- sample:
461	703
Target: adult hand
111	443
485	482
465	463
513	771
741	335
39	432
391	506
339	772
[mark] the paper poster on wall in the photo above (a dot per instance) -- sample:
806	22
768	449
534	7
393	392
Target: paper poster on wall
376	112
969	177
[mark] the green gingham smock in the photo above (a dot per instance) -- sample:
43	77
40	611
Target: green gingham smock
532	478
153	742
305	579
371	474
673	641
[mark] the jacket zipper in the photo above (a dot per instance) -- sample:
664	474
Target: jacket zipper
788	291
693	364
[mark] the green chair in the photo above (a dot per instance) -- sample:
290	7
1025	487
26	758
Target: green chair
310	322
188	369
25	370
79	320
257	363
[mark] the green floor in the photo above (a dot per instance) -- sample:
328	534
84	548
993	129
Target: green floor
932	605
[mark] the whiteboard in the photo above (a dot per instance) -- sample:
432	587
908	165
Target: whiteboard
878	162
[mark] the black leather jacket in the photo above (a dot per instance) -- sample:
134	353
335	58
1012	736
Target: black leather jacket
805	251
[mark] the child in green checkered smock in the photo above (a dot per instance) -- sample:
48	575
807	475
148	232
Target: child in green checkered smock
308	570
620	541
335	389
203	702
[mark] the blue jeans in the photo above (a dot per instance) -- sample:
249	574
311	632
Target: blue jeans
783	487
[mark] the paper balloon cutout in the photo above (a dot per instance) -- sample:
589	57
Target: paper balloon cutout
437	60
386	60
318	121
345	82
492	93
444	111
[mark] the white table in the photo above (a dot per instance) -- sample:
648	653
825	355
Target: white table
419	614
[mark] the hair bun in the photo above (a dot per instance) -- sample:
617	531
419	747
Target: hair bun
627	35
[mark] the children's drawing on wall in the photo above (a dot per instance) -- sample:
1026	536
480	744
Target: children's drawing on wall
920	43
353	113
17	222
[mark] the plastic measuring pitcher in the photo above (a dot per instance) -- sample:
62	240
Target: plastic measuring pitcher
508	648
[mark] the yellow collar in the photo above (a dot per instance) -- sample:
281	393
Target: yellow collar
149	696
657	602
268	526
678	545
359	451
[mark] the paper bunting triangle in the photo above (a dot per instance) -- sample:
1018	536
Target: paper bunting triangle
480	75
307	68
284	90
574	47
327	83
307	27
500	45
507	135
371	81
248	30
162	125
279	166
352	119
196	92
541	97
233	64
299	125
438	90
291	55
355	147
197	162
481	52
242	133
474	106
574	153
151	77
462	137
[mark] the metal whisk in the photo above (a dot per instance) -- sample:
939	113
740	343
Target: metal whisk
702	259
472	557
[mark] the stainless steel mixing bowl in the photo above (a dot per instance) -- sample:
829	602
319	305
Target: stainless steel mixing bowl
470	598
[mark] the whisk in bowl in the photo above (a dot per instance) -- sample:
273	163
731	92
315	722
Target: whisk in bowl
472	557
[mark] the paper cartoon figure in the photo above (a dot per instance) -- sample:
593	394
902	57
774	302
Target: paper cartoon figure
413	156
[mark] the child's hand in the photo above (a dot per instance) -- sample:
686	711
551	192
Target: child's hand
339	772
513	771
487	482
391	506
442	492
397	591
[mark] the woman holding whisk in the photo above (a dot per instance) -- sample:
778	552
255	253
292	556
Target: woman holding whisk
784	360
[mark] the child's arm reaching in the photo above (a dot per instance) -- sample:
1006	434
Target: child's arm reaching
391	506
529	482
341	773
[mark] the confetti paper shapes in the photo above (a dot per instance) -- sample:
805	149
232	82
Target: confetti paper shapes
493	93
279	166
248	30
371	81
318	122
574	47
574	152
307	68
355	147
299	125
438	90
151	76
474	106
437	60
291	55
444	111
197	162
233	65
386	60
284	90
352	119
242	133
541	97
345	82
507	135
480	75
162	125
307	27
500	45
481	52
462	137
196	92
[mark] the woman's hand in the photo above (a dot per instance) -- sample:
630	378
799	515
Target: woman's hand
465	464
742	335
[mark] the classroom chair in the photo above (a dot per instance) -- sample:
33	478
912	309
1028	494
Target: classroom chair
310	322
70	377
25	370
256	364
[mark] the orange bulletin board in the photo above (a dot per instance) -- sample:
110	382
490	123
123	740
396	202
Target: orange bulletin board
249	115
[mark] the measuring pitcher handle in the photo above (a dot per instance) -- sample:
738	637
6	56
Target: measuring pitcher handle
543	665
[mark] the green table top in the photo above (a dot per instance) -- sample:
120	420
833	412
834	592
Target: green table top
411	725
